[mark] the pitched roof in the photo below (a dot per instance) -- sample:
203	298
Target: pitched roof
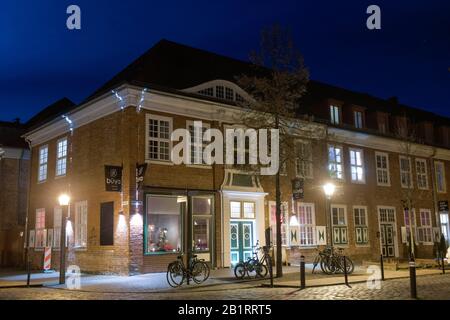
50	112
10	135
171	67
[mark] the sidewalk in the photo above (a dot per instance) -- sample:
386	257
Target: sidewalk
221	279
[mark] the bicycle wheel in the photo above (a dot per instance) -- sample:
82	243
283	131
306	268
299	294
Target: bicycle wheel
239	270
261	270
199	272
175	274
251	266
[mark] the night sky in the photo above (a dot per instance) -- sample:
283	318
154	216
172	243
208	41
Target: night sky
42	61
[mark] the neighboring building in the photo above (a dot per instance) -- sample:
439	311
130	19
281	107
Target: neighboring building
14	173
219	211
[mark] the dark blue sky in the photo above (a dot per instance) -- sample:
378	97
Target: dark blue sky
42	61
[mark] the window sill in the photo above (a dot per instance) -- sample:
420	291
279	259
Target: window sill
41	182
383	185
358	182
199	166
161	253
160	162
60	177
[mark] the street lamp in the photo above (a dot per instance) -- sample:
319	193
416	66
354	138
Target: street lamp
64	201
328	189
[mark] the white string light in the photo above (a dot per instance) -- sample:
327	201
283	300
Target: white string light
114	92
141	101
70	122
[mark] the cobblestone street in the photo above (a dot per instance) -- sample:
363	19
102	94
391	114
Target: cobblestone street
428	287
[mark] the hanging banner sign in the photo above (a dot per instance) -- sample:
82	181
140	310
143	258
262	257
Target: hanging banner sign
443	206
140	174
297	189
113	178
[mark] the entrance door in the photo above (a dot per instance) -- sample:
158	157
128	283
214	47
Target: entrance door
387	239
241	237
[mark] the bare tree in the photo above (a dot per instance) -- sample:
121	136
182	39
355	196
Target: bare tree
276	87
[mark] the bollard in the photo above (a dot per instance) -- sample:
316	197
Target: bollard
302	273
28	272
412	276
382	267
443	266
345	272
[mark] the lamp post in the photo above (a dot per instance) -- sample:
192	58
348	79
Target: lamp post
64	201
328	189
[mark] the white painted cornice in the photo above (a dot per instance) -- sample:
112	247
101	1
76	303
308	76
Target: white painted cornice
14	153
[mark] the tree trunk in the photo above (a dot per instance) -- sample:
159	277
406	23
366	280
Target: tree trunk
279	266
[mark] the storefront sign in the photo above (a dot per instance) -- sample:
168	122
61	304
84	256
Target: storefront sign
443	206
140	174
113	178
297	189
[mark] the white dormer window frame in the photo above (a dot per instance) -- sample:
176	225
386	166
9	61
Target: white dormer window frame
220	89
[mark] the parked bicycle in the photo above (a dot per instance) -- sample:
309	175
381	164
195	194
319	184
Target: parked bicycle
331	261
255	266
177	272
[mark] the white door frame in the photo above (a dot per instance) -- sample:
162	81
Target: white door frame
396	250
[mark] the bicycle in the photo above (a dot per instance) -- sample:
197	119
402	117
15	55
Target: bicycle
254	266
197	270
331	261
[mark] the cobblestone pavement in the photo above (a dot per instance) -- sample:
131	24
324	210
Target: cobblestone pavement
428	287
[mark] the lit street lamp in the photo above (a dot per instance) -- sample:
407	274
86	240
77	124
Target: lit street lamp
64	201
328	189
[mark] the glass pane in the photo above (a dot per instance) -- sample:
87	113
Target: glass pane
235	209
163	223
249	210
201	205
201	234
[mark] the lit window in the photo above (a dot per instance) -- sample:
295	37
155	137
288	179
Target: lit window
335	162
235	209
339	221
421	172
425	229
357	165
61	157
334	115
382	167
43	161
81	211
41	232
201	222
303	161
307	224
440	177
405	172
249	210
358	117
284	224
158	135
360	220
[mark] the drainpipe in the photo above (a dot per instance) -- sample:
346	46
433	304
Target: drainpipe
433	189
27	243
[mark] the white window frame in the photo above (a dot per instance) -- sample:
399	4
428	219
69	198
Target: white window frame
197	145
80	224
303	162
61	157
41	232
421	175
425	228
303	228
443	188
361	226
340	226
335	114
43	163
158	118
356	166
333	162
284	223
358	119
403	172
386	170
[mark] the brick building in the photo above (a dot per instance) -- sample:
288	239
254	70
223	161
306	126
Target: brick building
216	210
14	173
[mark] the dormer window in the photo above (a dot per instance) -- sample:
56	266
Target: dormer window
358	119
335	117
220	89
